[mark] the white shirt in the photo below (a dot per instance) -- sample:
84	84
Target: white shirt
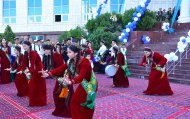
83	41
13	52
102	50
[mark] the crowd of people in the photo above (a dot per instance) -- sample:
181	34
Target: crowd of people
163	15
29	64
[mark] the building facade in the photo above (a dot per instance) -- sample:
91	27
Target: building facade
55	16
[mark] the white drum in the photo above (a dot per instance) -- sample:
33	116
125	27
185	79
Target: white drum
110	70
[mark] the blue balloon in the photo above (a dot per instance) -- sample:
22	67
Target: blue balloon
126	26
183	41
138	8
143	9
131	29
148	1
126	34
146	4
144	38
134	14
134	22
124	31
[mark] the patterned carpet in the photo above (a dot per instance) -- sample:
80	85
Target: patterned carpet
111	103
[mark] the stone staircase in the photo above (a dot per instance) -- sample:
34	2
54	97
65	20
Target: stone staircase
167	44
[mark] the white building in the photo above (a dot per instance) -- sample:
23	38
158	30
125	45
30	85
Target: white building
55	16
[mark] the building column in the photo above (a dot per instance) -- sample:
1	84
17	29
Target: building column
184	12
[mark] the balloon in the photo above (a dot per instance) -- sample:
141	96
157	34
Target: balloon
183	39
175	58
127	30
126	34
168	57
147	39
181	50
142	4
188	33
125	40
172	54
134	14
136	19
138	14
144	0
188	39
120	37
122	34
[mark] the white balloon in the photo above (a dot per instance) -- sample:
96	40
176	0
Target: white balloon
129	23
142	4
181	45
172	54
147	39
163	27
127	30
166	56
125	40
188	33
188	39
138	14
175	58
136	19
181	50
120	37
122	34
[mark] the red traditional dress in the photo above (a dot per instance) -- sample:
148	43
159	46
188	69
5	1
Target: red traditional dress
119	79
5	63
21	81
60	106
37	84
82	104
158	81
91	51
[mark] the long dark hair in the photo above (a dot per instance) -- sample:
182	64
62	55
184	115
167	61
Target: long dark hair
75	49
50	58
115	57
27	54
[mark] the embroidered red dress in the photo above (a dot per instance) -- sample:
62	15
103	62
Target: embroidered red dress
84	71
37	84
5	63
21	81
119	79
157	82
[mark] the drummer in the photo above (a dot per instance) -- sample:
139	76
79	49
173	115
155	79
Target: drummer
117	59
98	67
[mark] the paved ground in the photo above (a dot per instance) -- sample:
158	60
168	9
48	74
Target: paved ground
111	103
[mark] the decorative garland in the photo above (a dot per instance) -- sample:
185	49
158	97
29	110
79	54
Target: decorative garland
140	10
100	7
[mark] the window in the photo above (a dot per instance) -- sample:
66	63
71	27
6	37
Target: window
34	11
36	37
9	11
61	10
117	6
89	8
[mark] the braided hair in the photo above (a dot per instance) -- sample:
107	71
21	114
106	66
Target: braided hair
75	49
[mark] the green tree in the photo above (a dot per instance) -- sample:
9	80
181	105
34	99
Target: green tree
106	22
63	36
147	21
1	36
8	34
77	33
101	35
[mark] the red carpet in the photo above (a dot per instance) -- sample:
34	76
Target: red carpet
111	103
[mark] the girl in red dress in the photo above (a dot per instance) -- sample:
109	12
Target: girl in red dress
80	72
21	81
53	60
158	80
119	79
32	64
90	50
5	62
